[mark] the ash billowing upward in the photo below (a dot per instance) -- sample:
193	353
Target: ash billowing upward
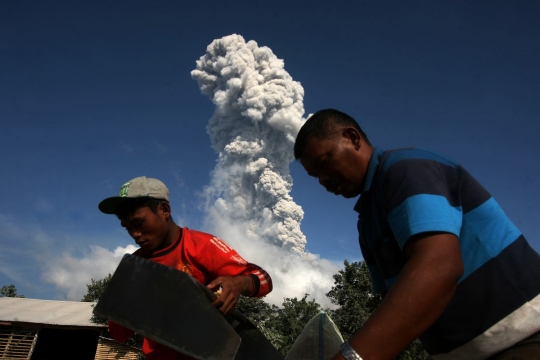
258	113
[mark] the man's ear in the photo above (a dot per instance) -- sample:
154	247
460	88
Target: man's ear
352	135
165	208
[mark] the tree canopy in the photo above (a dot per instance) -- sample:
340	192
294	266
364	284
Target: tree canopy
96	288
94	291
353	294
290	320
9	291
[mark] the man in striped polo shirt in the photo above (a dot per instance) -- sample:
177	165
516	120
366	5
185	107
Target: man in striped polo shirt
452	268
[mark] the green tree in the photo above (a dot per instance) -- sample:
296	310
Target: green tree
353	294
291	319
256	309
261	314
415	351
94	291
9	291
280	325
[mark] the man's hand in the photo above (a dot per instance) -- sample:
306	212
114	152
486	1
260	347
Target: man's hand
421	293
231	287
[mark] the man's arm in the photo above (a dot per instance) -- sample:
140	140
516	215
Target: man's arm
233	273
422	291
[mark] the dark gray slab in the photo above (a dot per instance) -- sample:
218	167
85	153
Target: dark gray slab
167	305
254	344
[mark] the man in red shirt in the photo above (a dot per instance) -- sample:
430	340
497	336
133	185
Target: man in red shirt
144	211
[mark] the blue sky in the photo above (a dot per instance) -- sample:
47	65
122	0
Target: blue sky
94	94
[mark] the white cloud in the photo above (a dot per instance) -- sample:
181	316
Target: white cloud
8	228
11	272
70	274
293	274
69	270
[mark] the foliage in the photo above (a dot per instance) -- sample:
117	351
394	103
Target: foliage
415	351
94	292
9	291
96	289
353	294
256	309
280	325
261	314
291	319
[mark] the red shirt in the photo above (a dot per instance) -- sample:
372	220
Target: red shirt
205	257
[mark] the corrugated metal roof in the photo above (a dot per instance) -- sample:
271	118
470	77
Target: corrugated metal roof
52	312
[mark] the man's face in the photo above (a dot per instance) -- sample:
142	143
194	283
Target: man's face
149	230
336	163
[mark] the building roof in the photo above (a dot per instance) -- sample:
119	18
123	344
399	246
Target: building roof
50	312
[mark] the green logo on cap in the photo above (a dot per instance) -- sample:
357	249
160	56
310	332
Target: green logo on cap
124	190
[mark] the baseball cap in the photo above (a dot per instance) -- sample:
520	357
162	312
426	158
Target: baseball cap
135	188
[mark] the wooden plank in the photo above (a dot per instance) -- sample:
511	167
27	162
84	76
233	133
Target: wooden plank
16	343
22	342
112	350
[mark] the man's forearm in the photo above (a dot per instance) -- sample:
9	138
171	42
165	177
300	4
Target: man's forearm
421	293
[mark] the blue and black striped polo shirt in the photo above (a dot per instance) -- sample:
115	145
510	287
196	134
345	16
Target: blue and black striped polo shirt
497	301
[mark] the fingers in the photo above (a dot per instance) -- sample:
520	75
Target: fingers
228	305
225	303
215	283
230	293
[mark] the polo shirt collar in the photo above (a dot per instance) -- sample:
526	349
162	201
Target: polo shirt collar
374	162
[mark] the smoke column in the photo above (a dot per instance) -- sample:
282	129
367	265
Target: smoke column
258	113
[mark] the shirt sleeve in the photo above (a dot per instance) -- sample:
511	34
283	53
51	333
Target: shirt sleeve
219	259
422	195
119	333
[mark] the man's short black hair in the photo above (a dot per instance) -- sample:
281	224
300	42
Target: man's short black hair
324	124
130	205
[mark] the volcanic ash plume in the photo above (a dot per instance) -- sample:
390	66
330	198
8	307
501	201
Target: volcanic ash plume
258	113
